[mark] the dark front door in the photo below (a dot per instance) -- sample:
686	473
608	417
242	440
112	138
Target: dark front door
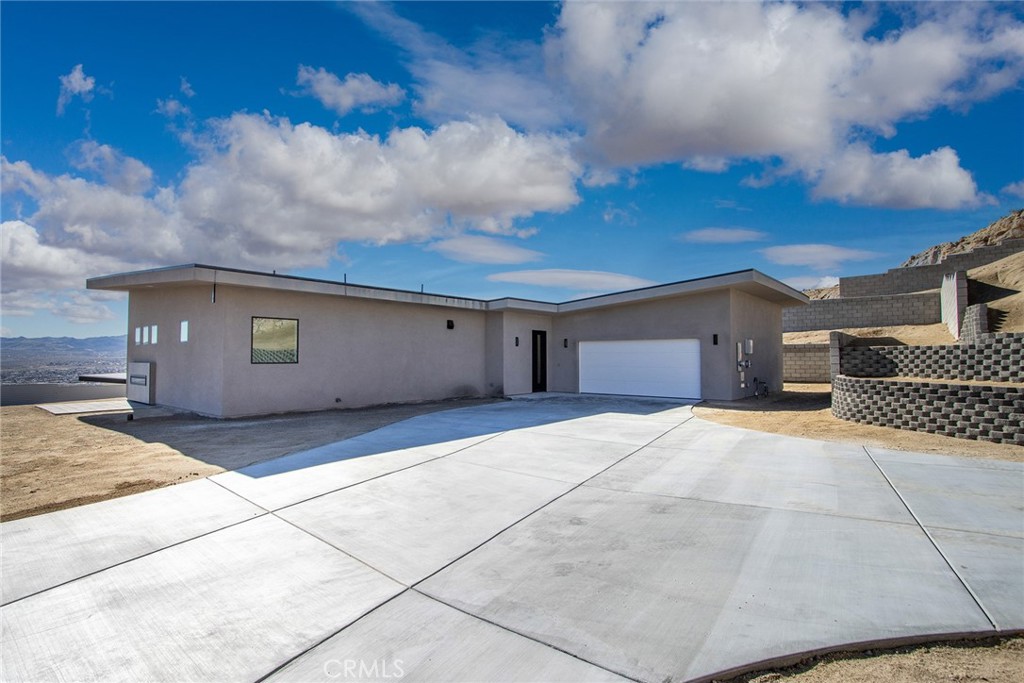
540	360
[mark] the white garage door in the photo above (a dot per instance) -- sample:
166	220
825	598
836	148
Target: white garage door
650	367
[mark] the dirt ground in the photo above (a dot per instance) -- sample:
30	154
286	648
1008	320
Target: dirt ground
911	335
998	661
804	410
52	462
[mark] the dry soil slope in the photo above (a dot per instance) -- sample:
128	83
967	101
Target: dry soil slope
1008	227
1007	273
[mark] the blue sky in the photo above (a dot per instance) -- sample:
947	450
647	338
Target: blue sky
525	149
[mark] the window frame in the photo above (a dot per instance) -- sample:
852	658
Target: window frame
252	333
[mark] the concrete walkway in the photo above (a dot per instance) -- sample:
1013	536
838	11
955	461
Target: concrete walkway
565	539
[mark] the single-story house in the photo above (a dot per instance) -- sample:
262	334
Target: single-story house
229	343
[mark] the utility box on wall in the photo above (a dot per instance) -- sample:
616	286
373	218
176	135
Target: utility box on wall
140	387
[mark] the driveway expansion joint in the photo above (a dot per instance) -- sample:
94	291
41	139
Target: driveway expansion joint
931	539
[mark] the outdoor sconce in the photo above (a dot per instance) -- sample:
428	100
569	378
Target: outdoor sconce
565	343
517	341
451	324
714	340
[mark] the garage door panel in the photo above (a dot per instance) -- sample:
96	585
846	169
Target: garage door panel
652	367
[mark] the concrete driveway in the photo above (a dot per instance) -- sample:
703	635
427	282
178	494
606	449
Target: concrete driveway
559	539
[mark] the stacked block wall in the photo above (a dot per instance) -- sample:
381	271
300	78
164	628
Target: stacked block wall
975	324
805	363
992	358
920	278
922	308
984	412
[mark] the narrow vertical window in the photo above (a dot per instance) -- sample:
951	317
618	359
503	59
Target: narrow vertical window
183	337
138	336
145	334
152	336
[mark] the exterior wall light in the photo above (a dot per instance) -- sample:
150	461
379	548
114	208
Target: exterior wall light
451	324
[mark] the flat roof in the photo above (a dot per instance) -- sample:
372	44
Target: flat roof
750	281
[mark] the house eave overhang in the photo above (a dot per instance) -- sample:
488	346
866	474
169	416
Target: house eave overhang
192	275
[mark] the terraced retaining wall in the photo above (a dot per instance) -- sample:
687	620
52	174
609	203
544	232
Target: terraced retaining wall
918	278
969	411
993	357
805	363
922	308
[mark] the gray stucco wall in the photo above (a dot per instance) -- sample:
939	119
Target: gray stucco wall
692	317
754	318
352	352
517	365
358	352
186	375
361	352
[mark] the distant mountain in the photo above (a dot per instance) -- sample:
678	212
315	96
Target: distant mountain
1008	227
26	360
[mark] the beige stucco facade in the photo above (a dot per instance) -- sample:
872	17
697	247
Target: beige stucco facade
360	346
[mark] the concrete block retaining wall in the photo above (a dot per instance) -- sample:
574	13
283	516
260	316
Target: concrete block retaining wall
975	324
992	358
984	412
922	308
805	363
919	278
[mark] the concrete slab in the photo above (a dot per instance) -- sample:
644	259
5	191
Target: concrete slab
232	605
77	407
959	496
609	427
415	638
300	476
411	523
552	456
993	566
656	587
47	550
785	473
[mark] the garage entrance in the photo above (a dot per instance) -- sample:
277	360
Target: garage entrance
650	367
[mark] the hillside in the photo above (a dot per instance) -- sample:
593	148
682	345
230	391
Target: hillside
1008	227
59	359
1000	284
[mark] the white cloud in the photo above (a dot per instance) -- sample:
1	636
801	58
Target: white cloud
357	91
492	77
43	277
267	193
709	83
481	249
723	235
812	282
172	108
31	264
1014	189
273	193
117	170
74	84
896	180
82	309
579	280
817	256
186	88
